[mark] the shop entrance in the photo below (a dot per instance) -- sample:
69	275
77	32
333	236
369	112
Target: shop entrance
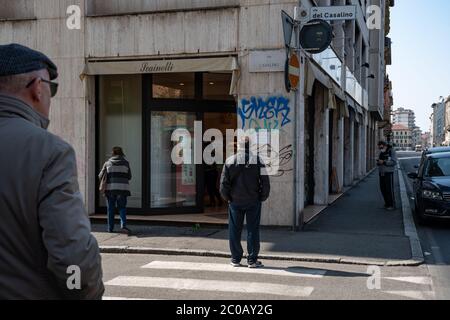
140	113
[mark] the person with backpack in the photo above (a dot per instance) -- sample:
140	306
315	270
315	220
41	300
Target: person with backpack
244	184
387	161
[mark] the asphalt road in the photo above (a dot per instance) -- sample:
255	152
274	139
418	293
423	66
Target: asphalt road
162	277
434	237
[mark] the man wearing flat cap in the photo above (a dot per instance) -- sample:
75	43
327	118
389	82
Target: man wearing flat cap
46	247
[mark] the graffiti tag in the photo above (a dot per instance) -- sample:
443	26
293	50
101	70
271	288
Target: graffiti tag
272	111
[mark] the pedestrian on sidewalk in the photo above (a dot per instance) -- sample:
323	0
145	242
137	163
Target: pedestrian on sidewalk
115	183
244	185
387	161
47	250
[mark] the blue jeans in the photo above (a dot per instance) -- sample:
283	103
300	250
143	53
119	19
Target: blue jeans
252	214
121	202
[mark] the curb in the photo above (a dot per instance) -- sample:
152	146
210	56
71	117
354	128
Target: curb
408	222
220	254
409	226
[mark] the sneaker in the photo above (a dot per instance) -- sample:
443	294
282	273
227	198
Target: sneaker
390	208
126	230
235	264
257	264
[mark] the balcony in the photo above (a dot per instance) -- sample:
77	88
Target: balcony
332	65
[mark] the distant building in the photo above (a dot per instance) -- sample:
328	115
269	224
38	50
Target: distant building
416	136
402	137
447	121
404	117
438	124
426	140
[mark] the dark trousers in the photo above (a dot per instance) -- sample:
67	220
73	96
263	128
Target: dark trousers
121	202
211	187
387	188
252	214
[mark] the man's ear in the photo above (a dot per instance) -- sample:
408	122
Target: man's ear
36	90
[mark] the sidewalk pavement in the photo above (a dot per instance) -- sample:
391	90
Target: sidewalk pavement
354	230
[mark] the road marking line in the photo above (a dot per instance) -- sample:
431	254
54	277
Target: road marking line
216	267
416	280
417	295
212	285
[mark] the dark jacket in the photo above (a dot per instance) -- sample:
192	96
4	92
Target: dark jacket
390	161
244	184
44	227
118	178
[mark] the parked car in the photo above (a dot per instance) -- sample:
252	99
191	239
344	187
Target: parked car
419	148
429	151
432	187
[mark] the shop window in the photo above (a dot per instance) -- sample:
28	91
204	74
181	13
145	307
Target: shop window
216	86
121	125
174	86
171	185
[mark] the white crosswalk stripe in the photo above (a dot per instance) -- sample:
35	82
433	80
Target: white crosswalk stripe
222	279
415	280
416	295
212	285
217	267
123	298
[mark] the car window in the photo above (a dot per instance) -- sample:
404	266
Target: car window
438	167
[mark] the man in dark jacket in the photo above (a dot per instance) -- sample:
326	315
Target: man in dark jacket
245	185
387	161
47	250
118	176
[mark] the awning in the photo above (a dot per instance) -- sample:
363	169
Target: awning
349	102
226	64
338	91
314	73
332	104
343	109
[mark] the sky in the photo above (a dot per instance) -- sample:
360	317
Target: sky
420	71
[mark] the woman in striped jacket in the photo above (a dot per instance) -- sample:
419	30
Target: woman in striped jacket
118	176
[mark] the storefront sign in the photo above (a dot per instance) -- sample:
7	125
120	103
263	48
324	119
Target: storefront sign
333	13
161	66
267	61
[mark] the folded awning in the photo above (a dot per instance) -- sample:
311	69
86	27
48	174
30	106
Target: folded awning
225	64
338	91
349	102
315	74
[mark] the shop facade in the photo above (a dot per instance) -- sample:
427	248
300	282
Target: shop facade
133	75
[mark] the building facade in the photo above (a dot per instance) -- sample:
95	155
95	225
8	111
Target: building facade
438	124
134	71
404	117
402	138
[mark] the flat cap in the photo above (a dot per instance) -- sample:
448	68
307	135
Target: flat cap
18	59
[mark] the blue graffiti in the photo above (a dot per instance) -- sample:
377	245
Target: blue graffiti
270	110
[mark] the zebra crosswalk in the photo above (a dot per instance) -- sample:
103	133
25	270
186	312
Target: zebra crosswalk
197	278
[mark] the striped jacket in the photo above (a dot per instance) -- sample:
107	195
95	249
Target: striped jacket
118	176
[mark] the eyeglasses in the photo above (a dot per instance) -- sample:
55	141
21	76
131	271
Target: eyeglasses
53	86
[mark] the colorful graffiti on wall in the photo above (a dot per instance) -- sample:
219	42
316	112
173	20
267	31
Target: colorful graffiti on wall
264	113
